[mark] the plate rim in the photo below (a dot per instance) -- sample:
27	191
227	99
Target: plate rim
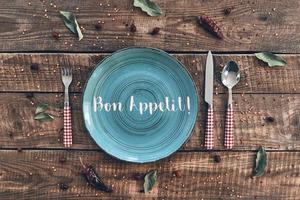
196	103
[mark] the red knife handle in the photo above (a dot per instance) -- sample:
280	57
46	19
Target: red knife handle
209	131
67	127
228	142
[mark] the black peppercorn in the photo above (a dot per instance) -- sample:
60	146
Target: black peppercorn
98	27
29	95
269	119
62	159
227	11
217	158
132	28
63	186
34	67
55	35
155	31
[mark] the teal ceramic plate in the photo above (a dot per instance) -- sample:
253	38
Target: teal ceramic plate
119	104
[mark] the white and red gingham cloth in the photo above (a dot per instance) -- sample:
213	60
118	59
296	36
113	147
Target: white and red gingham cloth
67	127
228	142
209	132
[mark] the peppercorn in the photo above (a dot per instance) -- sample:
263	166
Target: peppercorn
227	11
55	35
270	119
132	28
217	158
264	18
137	176
155	31
29	95
34	67
98	27
62	159
177	173
63	186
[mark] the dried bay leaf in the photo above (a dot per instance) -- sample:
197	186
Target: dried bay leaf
71	23
150	180
260	162
270	58
148	6
41	108
43	117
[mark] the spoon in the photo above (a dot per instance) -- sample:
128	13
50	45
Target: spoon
230	77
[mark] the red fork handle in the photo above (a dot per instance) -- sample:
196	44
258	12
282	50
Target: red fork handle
228	142
209	131
67	127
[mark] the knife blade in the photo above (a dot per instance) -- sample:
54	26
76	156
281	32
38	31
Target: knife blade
209	79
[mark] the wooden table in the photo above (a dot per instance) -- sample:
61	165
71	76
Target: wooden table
32	155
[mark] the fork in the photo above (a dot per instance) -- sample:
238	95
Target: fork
66	76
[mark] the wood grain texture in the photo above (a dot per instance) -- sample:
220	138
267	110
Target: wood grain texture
251	26
18	129
36	175
16	74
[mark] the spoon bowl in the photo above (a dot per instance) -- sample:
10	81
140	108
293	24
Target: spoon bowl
230	74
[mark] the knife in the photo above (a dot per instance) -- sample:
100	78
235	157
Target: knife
208	97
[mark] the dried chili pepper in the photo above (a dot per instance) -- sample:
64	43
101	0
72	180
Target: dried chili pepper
93	178
211	26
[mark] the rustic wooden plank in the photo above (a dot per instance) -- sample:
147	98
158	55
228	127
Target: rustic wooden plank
251	26
36	175
18	129
16	74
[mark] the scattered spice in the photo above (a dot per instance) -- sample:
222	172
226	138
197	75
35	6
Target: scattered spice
270	119
217	158
62	159
63	186
263	18
34	67
10	134
211	26
137	176
155	31
132	28
227	11
55	35
177	173
29	95
98	27
93	178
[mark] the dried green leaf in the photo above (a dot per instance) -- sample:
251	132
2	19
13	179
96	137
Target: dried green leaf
150	180
41	108
260	162
43	117
148	6
71	23
270	58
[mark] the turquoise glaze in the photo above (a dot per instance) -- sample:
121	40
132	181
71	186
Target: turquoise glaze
149	75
